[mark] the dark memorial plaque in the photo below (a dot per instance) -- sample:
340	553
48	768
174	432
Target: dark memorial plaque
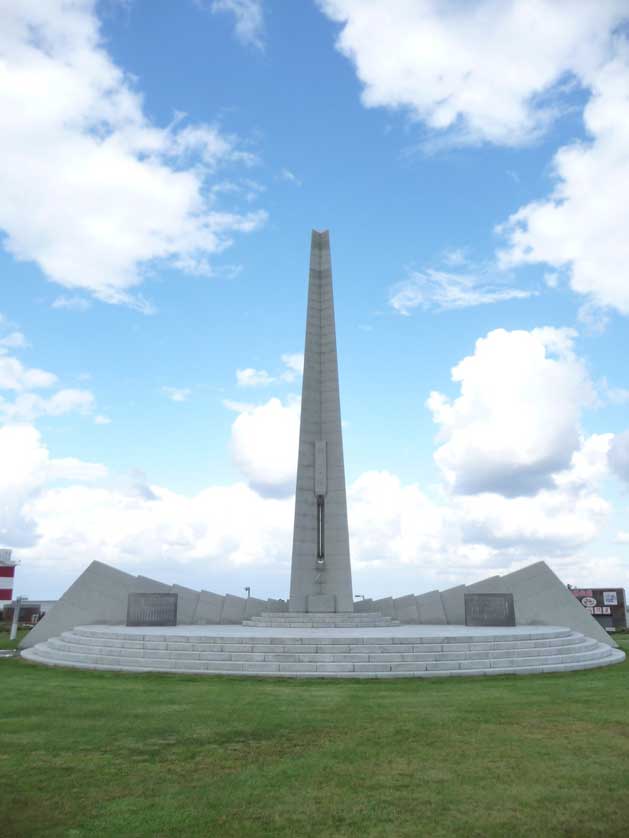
152	610
489	610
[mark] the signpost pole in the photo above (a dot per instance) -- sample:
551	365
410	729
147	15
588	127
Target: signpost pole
16	617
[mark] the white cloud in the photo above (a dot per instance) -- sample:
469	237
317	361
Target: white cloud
582	226
467	68
29	406
26	469
516	420
238	407
71	303
552	522
613	395
248	18
14	340
90	189
21	380
619	455
136	525
441	290
264	442
393	523
294	363
177	394
15	376
251	377
467	537
100	419
465	71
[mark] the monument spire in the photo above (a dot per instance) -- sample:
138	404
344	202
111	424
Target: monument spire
321	576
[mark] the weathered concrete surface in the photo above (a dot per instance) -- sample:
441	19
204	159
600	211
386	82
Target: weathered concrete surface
99	595
254	606
320	430
384	606
430	608
405	609
454	605
209	608
187	601
233	609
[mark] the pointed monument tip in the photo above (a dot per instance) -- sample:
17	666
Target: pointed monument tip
320	234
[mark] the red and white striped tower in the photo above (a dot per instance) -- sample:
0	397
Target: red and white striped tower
7	574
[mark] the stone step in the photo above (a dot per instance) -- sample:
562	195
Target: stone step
601	656
338	638
396	651
340	654
381	644
426	661
324	652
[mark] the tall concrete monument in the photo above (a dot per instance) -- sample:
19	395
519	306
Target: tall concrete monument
526	621
321	575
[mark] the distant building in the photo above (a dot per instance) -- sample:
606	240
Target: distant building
608	606
31	610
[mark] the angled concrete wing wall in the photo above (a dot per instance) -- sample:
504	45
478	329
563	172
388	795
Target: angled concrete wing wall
430	609
539	598
100	596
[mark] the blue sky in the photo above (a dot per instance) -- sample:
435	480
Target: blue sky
165	165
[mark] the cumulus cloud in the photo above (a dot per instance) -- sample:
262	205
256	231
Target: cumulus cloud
14	340
465	69
619	455
90	189
294	363
15	376
442	290
582	226
516	420
435	61
21	381
552	522
264	442
248	19
26	469
62	513
396	523
251	377
29	406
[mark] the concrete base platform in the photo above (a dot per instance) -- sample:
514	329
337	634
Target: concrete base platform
420	651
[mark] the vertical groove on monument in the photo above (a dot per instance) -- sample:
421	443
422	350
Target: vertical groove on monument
321	576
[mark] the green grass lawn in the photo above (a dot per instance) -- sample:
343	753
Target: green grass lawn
5	643
104	754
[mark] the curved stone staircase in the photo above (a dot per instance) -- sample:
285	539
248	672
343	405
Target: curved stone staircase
336	652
